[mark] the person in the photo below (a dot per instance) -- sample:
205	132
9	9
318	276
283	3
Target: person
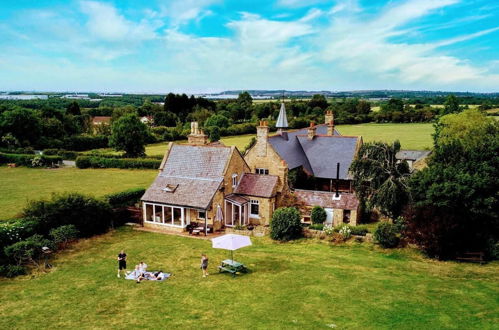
136	273
143	267
204	264
122	263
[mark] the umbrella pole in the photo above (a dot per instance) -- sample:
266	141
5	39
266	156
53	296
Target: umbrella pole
232	255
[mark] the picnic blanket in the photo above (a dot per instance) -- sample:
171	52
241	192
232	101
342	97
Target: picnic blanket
148	276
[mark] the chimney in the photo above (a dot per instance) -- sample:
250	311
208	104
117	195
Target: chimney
311	131
262	135
283	174
330	128
328	117
197	136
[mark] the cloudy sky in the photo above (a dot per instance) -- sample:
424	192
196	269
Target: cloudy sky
215	45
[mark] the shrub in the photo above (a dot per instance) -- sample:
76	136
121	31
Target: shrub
85	142
27	251
64	234
328	229
318	215
65	154
90	216
285	224
387	235
359	230
317	226
104	162
12	270
27	159
125	198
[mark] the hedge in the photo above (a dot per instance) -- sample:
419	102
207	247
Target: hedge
26	160
103	162
125	198
65	154
85	142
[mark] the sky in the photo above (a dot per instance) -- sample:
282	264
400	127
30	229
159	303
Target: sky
195	46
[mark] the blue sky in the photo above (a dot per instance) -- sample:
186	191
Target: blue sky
214	45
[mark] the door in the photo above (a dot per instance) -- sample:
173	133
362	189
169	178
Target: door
329	216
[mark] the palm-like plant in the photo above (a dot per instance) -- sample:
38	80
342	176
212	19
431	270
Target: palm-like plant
380	180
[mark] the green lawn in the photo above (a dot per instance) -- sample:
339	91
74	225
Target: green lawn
18	185
306	284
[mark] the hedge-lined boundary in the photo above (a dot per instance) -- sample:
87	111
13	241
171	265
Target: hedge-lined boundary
103	162
26	160
85	142
65	154
125	198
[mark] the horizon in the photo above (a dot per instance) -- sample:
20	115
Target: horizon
211	46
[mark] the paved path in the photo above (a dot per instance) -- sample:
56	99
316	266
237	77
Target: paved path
69	163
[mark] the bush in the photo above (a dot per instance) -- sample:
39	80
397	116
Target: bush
359	230
85	142
387	235
27	251
328	229
285	224
12	270
90	216
27	159
319	215
105	162
317	226
345	232
125	198
64	234
65	154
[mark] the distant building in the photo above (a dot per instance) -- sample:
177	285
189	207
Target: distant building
414	158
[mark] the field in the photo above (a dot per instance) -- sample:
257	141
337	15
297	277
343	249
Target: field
411	136
18	185
301	285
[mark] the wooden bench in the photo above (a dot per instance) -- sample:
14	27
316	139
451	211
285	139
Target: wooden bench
226	269
478	257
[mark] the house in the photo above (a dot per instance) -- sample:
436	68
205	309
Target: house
101	120
321	153
414	158
206	184
215	186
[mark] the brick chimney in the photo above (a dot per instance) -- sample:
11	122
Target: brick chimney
311	131
330	128
282	172
328	117
262	136
197	135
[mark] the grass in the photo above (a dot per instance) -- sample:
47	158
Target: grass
300	285
18	185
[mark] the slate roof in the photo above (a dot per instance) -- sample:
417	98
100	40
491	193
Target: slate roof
237	199
257	185
318	156
196	171
412	154
347	201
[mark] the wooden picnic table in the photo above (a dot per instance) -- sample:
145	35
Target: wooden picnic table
232	267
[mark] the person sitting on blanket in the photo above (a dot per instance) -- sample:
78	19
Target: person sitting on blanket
157	276
143	267
136	272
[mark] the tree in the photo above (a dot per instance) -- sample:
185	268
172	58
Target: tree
217	120
23	124
163	118
73	109
285	224
214	133
129	134
318	100
380	180
319	215
451	105
245	100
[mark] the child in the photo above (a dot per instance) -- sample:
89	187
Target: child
122	262
204	264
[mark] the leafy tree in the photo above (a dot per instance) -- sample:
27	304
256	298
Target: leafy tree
164	118
318	100
64	234
217	120
74	109
319	215
245	100
129	134
23	124
285	224
214	133
451	105
380	180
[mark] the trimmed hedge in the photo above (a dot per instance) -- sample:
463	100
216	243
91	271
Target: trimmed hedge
103	162
85	142
26	160
285	224
125	198
65	154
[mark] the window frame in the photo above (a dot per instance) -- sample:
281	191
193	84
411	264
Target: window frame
234	180
251	203
262	171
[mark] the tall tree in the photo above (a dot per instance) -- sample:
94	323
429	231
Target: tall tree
129	134
380	180
318	100
451	105
74	109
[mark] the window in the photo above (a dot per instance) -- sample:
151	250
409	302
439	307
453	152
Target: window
201	214
254	208
234	180
346	216
263	171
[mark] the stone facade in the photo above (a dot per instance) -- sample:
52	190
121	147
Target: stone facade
266	208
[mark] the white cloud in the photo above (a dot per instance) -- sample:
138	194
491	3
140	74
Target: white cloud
184	11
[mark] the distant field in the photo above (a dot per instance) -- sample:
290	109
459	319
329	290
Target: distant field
19	185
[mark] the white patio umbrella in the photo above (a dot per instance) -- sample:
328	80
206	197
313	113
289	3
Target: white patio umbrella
231	242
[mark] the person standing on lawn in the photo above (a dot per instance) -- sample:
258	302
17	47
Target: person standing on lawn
204	264
122	262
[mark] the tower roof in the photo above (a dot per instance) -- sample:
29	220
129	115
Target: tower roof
282	120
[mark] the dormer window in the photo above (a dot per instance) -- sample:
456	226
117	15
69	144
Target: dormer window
234	180
170	188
